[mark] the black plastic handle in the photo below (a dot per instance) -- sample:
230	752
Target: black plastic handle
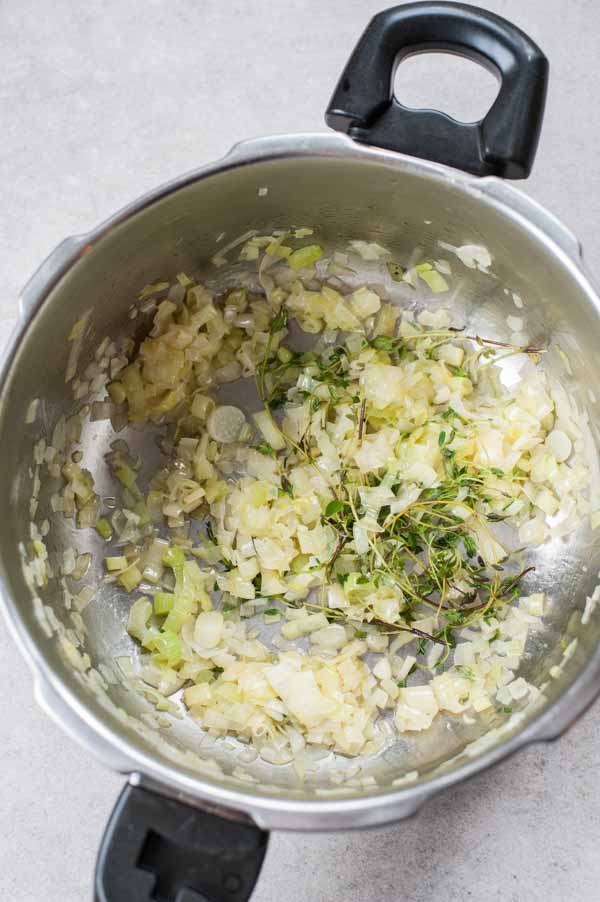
503	143
159	850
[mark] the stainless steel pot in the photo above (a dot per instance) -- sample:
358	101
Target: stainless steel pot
193	814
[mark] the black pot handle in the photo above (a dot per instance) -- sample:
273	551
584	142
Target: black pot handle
160	850
503	143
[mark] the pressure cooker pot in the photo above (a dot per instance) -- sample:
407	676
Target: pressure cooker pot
192	822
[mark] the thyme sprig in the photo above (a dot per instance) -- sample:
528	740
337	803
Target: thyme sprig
425	554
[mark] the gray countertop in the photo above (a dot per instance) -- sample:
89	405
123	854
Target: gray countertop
103	100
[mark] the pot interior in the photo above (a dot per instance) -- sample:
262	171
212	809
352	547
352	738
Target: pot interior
405	206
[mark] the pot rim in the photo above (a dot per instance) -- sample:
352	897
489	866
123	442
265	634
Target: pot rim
82	722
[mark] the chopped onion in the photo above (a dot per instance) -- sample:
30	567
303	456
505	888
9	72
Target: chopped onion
224	424
306	518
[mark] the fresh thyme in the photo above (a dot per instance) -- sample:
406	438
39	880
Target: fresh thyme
425	554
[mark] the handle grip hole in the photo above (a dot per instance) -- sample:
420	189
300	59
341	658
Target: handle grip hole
451	84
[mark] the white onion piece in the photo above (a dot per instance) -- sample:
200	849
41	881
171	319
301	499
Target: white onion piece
559	444
228	373
209	629
32	411
225	423
332	636
475	256
271	433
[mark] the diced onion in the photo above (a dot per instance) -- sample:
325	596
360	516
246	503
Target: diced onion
386	452
225	423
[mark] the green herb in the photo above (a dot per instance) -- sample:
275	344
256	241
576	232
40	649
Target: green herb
267	450
280	320
447	636
458	371
469	545
426	551
286	487
384	343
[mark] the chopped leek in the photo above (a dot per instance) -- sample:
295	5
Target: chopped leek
167	649
118	562
126	475
152	289
130	578
175	558
104	529
139	615
163	602
305	257
432	277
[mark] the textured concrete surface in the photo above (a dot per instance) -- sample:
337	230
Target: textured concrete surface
100	101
